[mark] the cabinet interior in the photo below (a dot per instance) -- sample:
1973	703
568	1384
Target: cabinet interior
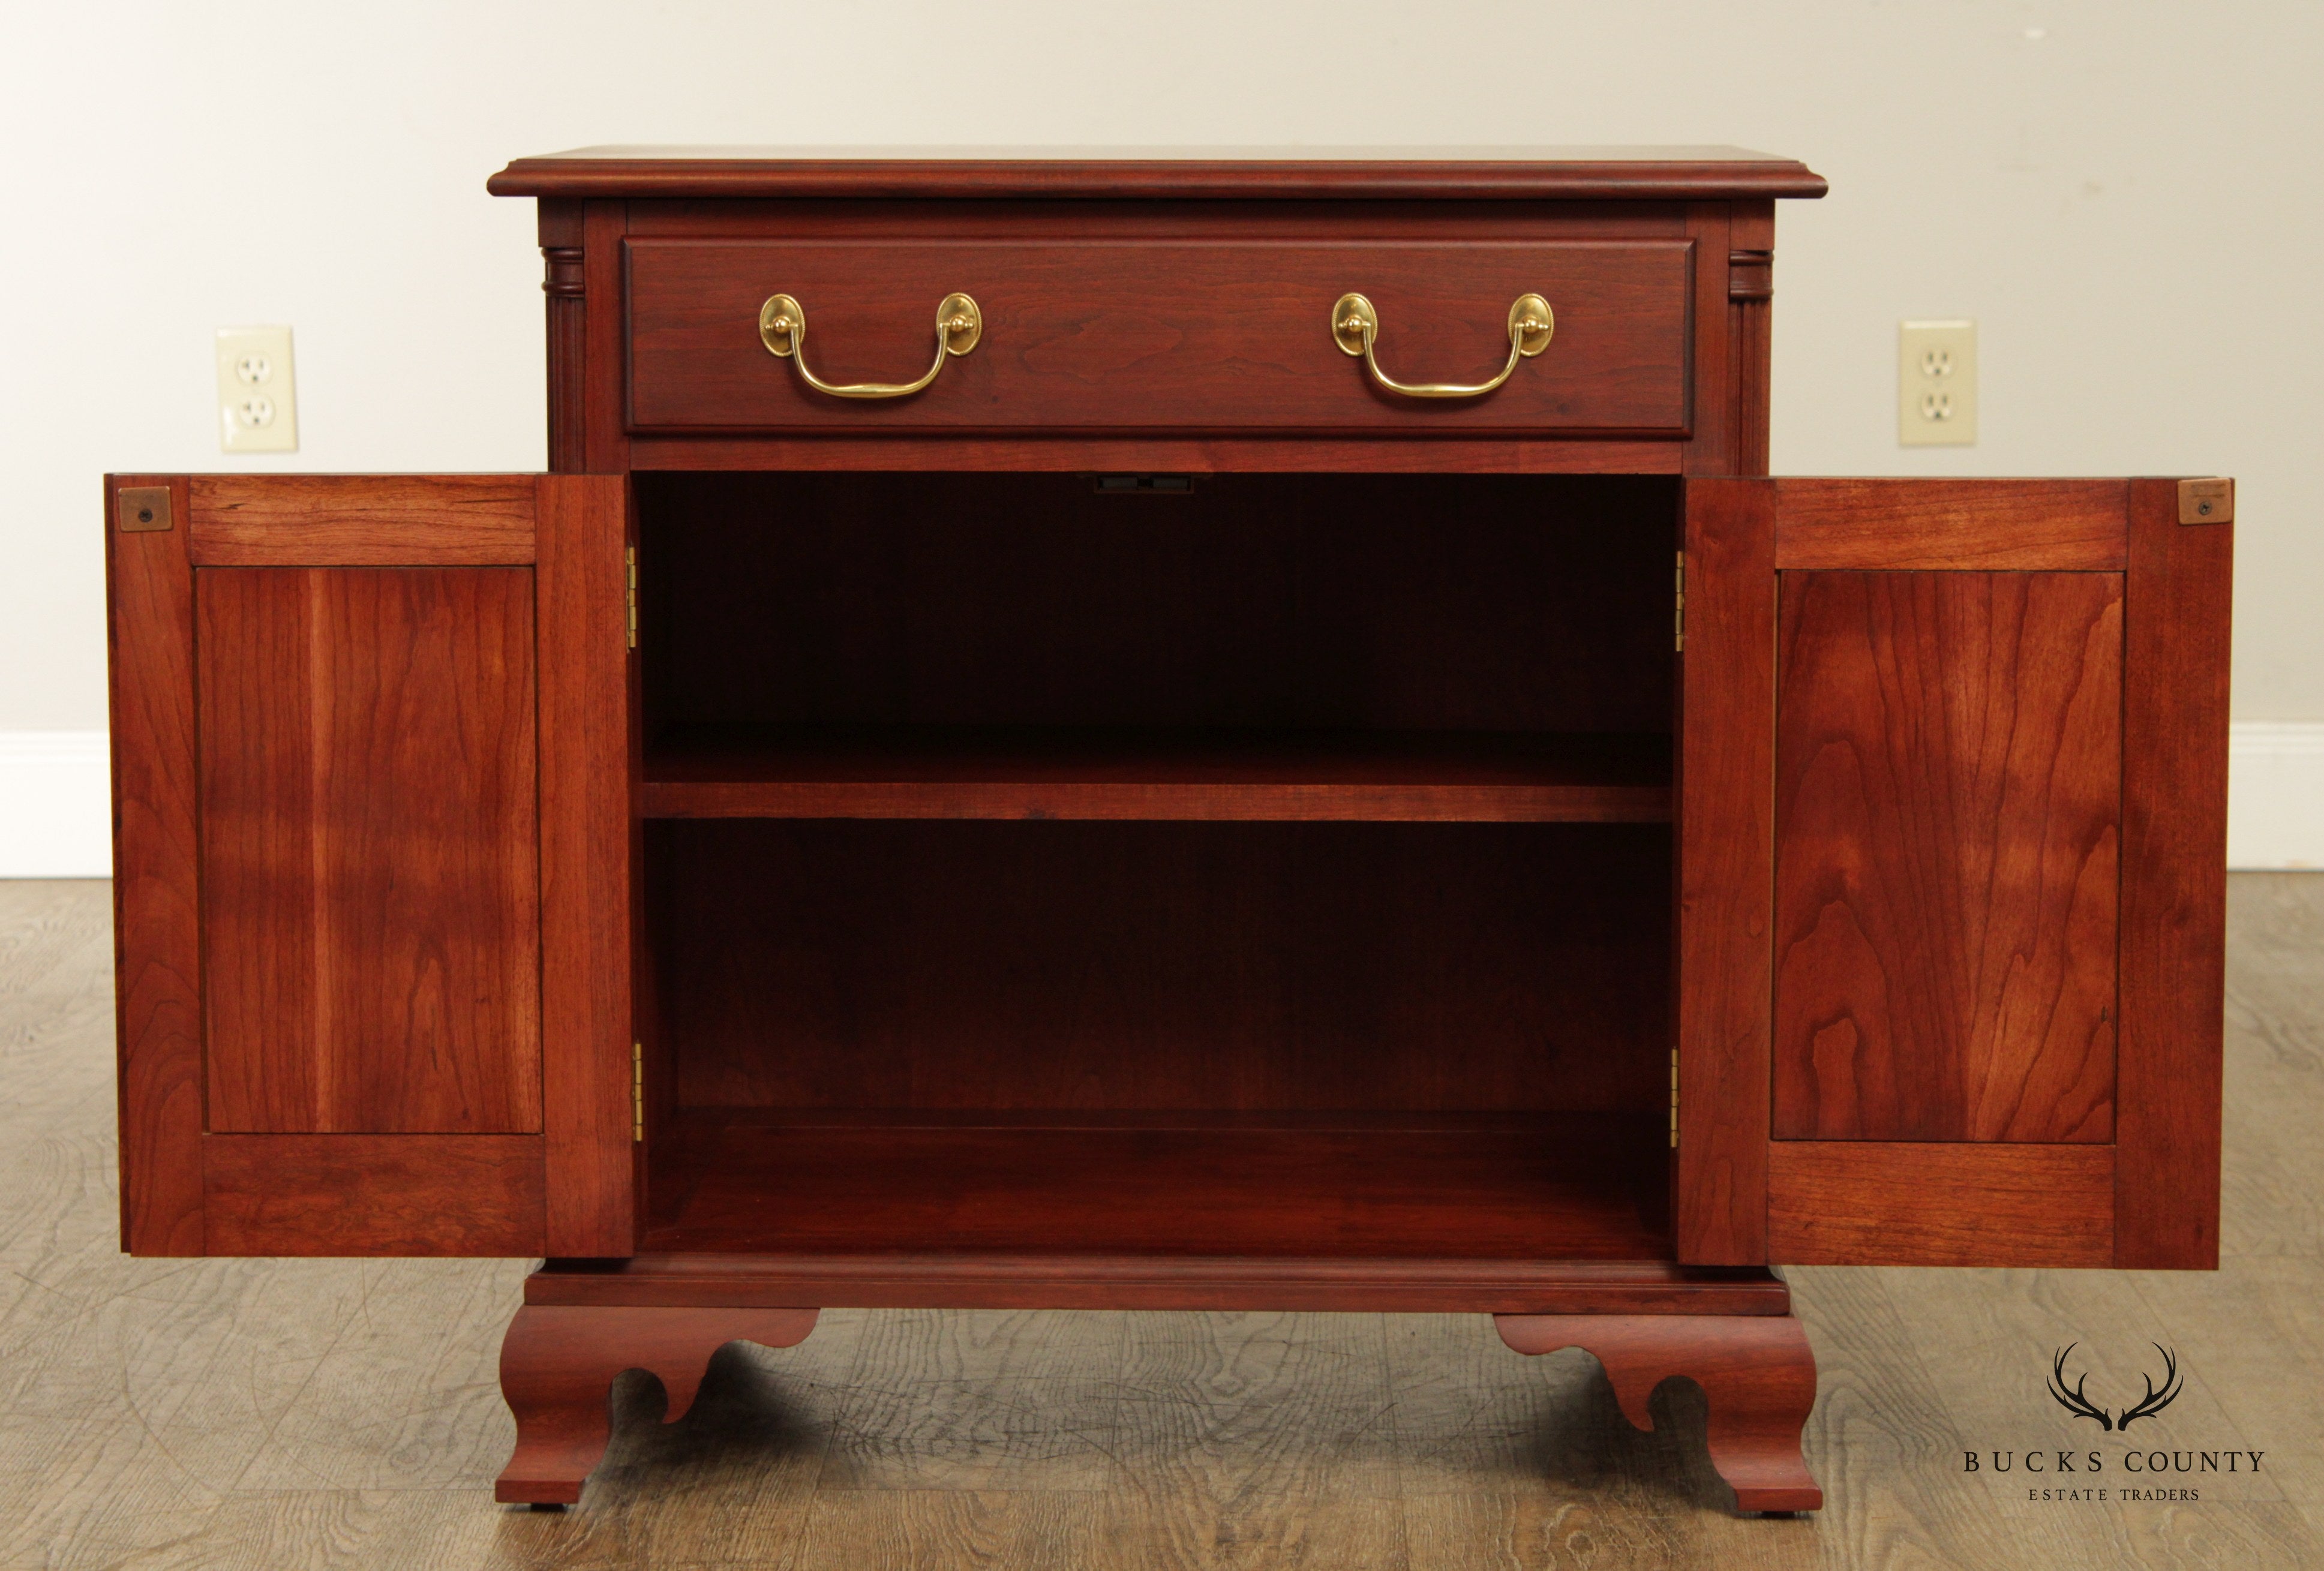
1277	865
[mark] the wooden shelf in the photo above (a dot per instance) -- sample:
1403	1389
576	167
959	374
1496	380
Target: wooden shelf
1485	1186
1248	775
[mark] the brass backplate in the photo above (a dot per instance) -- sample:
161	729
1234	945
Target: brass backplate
2207	502
959	323
140	509
779	323
1352	317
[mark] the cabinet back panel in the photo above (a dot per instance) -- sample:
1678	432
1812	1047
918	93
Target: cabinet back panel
1482	603
1947	840
369	856
1128	966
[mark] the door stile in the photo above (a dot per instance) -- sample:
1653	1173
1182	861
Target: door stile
1726	872
588	850
2173	941
156	875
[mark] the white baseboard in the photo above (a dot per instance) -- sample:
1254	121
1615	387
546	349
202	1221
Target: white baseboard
56	805
2275	794
55	800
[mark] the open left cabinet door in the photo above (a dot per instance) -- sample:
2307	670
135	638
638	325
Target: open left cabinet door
372	862
1953	854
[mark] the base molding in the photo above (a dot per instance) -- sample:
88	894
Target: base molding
56	795
1236	1282
584	1322
2275	794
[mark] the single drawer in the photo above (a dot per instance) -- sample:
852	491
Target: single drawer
1148	334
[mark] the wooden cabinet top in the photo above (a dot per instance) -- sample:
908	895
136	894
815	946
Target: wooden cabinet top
1402	174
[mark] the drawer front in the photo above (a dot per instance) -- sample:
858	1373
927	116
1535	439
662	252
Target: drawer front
1143	335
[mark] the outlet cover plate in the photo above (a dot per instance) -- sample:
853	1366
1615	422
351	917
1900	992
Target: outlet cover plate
1936	384
257	397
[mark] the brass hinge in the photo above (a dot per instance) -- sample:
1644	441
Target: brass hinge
1678	629
637	1091
1673	1099
631	557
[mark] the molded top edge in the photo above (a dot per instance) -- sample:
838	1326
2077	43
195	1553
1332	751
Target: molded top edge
1601	173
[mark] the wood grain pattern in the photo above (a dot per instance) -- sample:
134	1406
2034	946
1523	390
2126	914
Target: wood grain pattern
1991	525
368	843
305	520
1726	839
587	780
1204	334
1960	1203
281	1415
558	1367
149	587
1552	1188
967	1280
388	1194
926	772
1750	309
1512	173
1755	1372
1250	604
2174	893
1948	768
906	453
565	287
989	968
604	374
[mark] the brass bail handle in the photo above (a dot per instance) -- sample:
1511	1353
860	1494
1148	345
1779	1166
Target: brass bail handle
782	329
1355	324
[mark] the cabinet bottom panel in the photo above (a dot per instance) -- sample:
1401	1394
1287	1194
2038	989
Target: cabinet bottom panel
1488	1187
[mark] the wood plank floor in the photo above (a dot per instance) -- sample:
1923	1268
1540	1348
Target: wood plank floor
308	1413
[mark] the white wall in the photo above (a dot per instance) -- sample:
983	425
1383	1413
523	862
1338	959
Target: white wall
2125	195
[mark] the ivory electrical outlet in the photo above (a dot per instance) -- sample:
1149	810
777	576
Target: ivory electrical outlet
1936	384
258	405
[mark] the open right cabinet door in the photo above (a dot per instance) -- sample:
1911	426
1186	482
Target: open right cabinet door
1952	865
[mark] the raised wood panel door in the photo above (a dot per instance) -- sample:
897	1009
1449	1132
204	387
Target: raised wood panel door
371	888
1952	848
372	788
1947	839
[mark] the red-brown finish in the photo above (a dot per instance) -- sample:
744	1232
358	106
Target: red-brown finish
955	455
1725	837
1960	1203
384	521
588	787
372	1195
1260	604
1951	526
156	877
1216	333
2174	801
1750	299
1947	839
370	901
1434	173
1479	1188
564	255
975	968
904	772
557	1366
1757	1375
604	375
1034	1280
